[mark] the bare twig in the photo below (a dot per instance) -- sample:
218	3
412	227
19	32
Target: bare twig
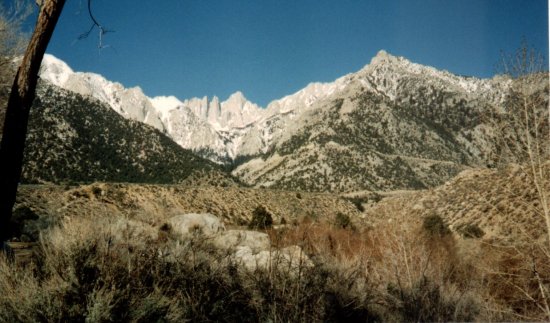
100	27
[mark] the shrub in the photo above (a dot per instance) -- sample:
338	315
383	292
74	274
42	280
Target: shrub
89	272
110	278
343	221
425	302
319	294
261	218
435	225
19	217
472	230
97	191
357	202
165	227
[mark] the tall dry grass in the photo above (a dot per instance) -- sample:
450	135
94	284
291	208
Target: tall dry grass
416	274
123	270
117	269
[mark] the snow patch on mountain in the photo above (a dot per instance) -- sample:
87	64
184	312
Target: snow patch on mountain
215	129
305	97
164	104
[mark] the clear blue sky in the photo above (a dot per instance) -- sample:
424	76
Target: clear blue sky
268	49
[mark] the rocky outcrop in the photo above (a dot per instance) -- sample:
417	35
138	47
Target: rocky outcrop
186	224
252	240
251	249
288	259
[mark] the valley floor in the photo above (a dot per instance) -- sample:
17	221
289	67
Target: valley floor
471	249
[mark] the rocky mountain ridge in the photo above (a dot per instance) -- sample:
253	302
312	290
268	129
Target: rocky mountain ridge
75	138
393	124
208	127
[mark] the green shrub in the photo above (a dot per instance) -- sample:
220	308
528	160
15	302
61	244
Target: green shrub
435	225
261	218
359	205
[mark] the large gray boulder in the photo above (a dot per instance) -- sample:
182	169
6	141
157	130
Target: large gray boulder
251	249
256	241
186	224
288	259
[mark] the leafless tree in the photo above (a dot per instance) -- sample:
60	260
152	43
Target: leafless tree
12	44
524	122
23	90
17	112
12	39
523	133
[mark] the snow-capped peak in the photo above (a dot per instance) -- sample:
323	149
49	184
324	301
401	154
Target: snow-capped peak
237	97
55	70
383	57
385	70
235	112
164	104
130	103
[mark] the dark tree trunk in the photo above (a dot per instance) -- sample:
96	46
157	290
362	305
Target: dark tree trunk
17	112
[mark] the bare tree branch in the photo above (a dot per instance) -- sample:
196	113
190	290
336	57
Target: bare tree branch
100	27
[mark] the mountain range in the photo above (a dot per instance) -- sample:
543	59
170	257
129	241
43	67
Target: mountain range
75	138
392	125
